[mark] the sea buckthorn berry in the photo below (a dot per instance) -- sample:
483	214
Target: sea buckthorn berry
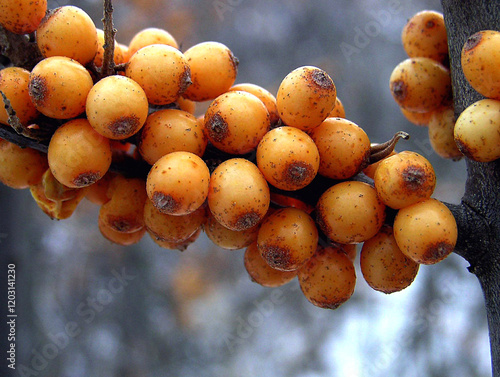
78	156
350	212
169	131
170	228
235	122
477	131
123	53
186	105
59	87
480	60
416	118
97	193
338	110
267	98
117	107
120	238
178	182
20	167
162	71
14	84
288	158
383	264
441	133
227	238
424	35
125	211
328	278
176	245
68	31
344	148
426	231
404	179
151	36
117	53
213	70
306	96
22	16
238	195
287	239
420	84
370	170
263	274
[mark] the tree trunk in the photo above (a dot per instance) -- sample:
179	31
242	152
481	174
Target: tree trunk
478	216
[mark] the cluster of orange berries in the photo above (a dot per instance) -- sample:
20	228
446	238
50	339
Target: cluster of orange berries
293	138
421	85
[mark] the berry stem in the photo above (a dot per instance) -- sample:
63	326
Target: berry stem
381	151
108	63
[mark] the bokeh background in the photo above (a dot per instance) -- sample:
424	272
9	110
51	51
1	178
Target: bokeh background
87	307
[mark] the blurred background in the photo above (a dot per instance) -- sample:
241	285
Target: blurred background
87	307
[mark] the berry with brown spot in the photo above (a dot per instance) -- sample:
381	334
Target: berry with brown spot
420	84
78	156
59	87
477	131
68	31
177	184
426	231
261	273
226	238
306	96
350	212
288	158
344	148
287	239
424	35
117	107
238	195
162	71
236	121
404	179
328	278
120	238
22	16
213	70
480	57
383	264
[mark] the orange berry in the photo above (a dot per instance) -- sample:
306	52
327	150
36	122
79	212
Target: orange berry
267	98
97	193
178	182
404	179
227	238
328	278
238	194
151	36
162	71
169	131
261	273
288	158
338	110
59	87
120	238
176	245
343	146
477	131
426	231
350	212
213	70
370	170
383	264
420	84
22	16
68	31
20	167
117	53
480	60
287	239
424	35
417	118
441	133
14	84
235	122
78	156
305	97
186	105
117	107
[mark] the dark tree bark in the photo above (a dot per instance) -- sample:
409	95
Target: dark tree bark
478	216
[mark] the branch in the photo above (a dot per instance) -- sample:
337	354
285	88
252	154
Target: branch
108	62
21	50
